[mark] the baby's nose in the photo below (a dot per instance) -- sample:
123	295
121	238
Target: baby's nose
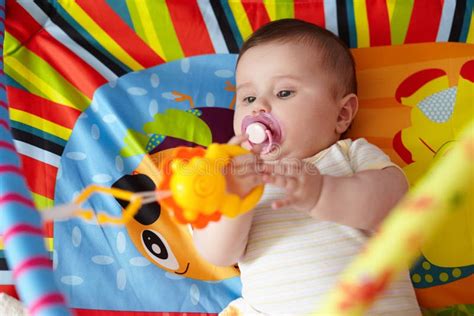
258	111
261	107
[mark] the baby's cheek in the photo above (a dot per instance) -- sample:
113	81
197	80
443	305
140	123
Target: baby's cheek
238	117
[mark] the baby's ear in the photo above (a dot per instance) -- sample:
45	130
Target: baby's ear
348	107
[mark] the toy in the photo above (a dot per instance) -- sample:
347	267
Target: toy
445	191
198	188
192	185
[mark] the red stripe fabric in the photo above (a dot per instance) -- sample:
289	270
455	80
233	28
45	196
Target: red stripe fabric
10	169
379	23
190	27
15	198
3	104
41	177
49	231
256	13
424	22
45	301
54	112
9	290
7	146
21	229
310	11
22	29
31	263
4	124
21	25
119	31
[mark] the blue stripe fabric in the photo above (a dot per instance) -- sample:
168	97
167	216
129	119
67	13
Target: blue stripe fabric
39	133
467	20
351	22
120	7
232	23
70	20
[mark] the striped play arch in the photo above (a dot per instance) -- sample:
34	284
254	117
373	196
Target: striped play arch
58	53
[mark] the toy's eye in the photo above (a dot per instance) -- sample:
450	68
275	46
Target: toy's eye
158	249
148	213
283	94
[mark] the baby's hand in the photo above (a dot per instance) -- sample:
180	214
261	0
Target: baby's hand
242	173
301	180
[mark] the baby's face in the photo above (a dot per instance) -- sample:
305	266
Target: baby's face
283	87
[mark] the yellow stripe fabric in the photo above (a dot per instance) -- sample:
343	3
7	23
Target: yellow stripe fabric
271	7
41	78
164	28
241	19
143	25
40	123
99	34
391	8
42	202
279	10
401	16
362	24
470	32
49	244
285	9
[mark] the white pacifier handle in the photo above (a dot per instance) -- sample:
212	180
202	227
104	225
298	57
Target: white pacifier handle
257	133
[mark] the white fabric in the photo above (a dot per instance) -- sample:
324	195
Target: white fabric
292	261
10	306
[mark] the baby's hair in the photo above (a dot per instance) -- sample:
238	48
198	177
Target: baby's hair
333	53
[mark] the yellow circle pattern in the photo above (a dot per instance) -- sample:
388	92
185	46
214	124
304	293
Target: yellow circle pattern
443	277
428	278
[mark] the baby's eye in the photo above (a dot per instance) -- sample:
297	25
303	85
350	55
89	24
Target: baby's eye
249	99
285	94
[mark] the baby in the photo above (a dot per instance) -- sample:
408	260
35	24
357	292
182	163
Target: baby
296	96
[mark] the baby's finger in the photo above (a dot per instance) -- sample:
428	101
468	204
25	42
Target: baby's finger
290	184
252	180
257	148
238	139
282	203
247	159
245	165
282	168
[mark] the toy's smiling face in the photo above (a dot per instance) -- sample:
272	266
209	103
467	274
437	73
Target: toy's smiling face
157	235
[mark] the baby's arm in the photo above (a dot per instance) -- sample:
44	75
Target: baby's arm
361	200
223	243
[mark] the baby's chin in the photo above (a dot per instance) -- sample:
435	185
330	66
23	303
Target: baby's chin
275	153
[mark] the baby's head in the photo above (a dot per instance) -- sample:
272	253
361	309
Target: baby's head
297	82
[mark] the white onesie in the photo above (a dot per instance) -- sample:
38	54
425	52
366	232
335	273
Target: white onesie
292	260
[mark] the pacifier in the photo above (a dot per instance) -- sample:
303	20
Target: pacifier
258	133
262	129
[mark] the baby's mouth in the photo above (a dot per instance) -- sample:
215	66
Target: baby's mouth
263	130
